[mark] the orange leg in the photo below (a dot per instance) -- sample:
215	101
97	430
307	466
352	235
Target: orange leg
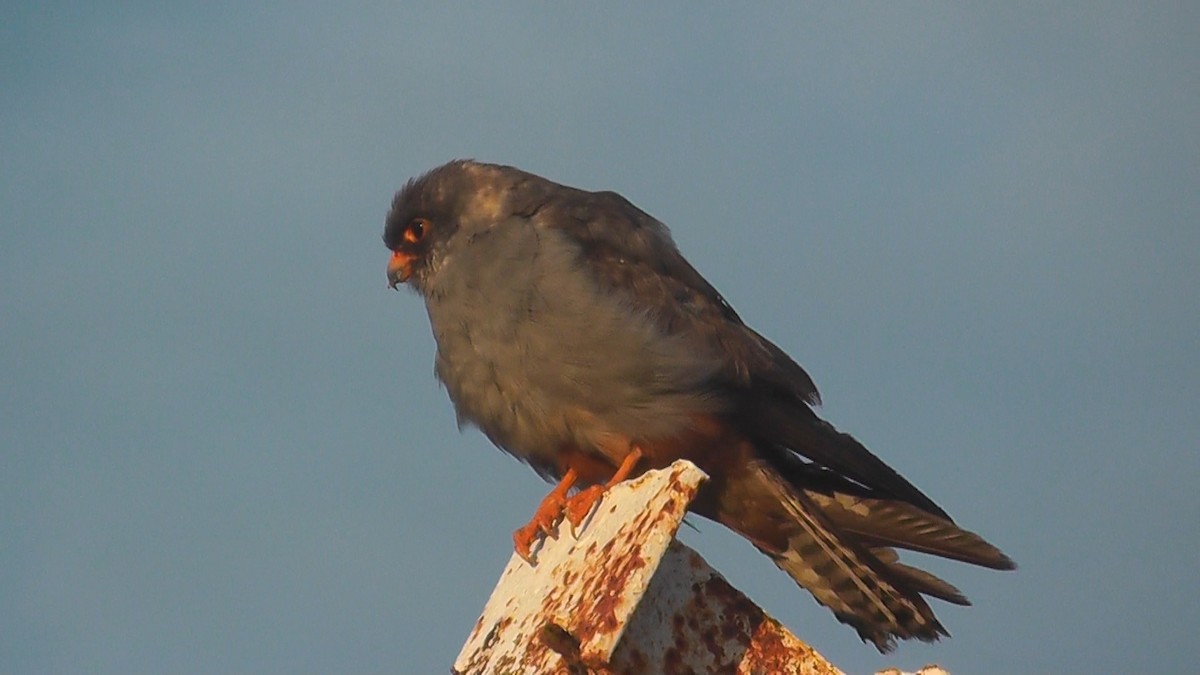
578	507
545	518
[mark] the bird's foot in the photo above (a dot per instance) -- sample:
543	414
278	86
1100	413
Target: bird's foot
580	505
576	509
545	519
543	522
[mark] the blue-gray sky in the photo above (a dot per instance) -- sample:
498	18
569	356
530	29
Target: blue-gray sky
223	448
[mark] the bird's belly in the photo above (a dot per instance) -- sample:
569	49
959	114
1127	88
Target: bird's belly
498	393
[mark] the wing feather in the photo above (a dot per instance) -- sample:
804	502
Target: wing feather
630	253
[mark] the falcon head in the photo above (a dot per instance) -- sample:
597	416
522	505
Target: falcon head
461	196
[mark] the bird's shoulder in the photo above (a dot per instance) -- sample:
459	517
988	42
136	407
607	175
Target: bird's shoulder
629	251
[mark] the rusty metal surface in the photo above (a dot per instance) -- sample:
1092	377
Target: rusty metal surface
624	597
692	621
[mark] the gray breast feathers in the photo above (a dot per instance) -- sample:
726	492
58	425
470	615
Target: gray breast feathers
536	354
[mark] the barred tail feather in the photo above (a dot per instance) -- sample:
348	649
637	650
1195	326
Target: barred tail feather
848	578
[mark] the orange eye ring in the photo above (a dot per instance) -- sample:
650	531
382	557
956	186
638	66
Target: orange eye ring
415	231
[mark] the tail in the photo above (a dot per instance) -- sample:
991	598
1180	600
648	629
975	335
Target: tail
835	542
864	588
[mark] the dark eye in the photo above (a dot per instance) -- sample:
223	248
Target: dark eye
415	231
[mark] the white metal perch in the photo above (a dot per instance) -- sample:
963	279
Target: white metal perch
625	597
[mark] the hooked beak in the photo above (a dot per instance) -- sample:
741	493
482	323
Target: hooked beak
399	268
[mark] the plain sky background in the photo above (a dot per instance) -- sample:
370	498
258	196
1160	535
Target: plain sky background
223	448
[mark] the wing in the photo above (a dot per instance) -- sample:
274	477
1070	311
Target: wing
632	254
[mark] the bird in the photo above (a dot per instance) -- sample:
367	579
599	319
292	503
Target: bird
573	333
